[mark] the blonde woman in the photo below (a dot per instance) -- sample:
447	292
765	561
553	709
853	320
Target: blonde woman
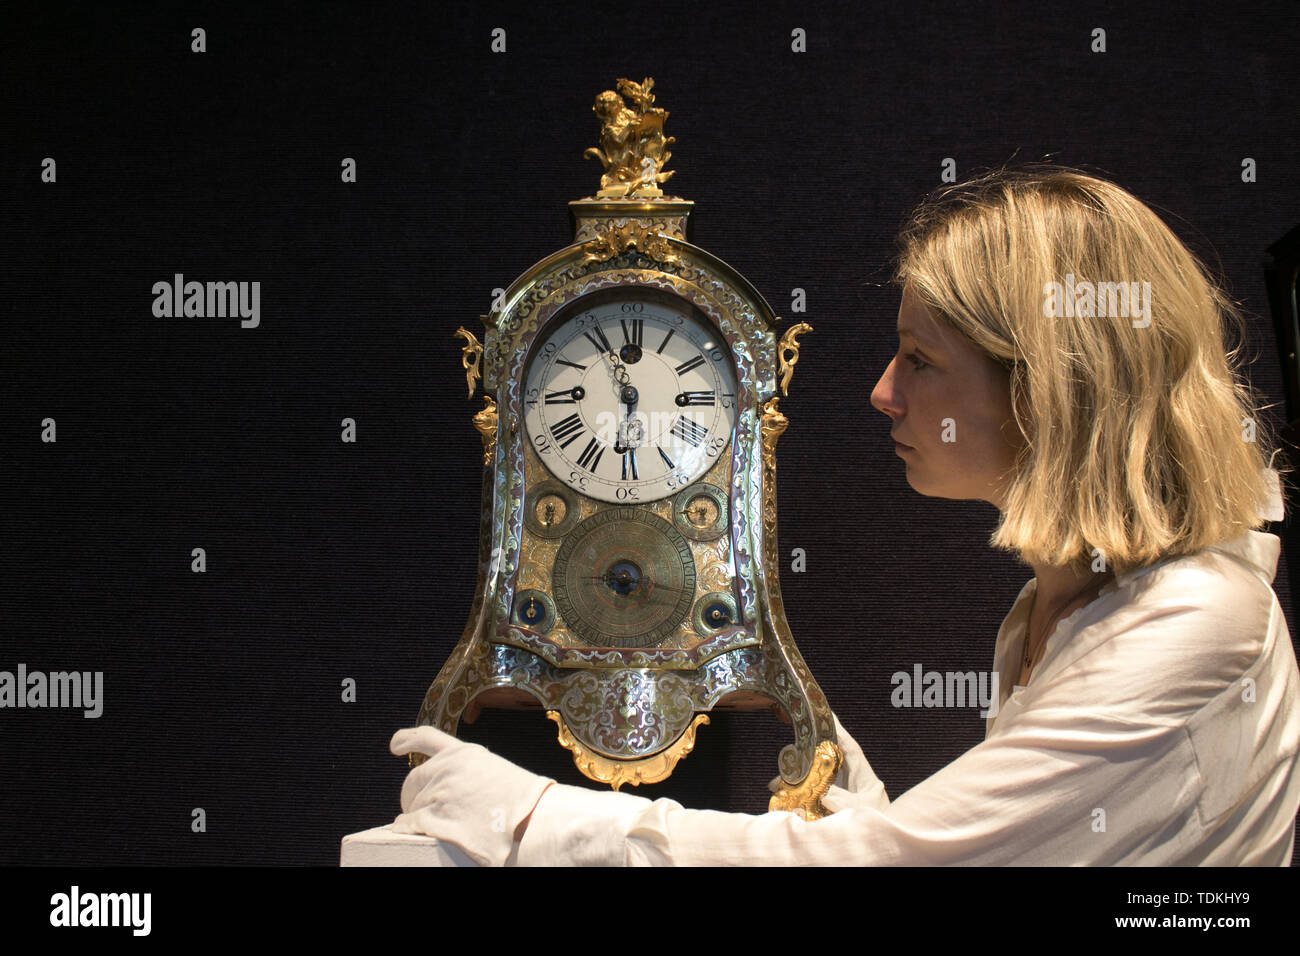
1061	355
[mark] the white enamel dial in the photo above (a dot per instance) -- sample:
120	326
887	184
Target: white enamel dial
630	396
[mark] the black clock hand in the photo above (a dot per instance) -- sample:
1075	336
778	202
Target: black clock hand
627	395
609	578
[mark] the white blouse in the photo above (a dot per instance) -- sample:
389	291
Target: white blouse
1160	728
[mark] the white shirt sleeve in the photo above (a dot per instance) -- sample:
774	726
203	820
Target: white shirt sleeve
1162	728
1029	795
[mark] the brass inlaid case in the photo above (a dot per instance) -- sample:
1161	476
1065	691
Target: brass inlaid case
629	614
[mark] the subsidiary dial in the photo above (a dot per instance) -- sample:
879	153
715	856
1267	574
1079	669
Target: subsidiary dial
624	578
630	395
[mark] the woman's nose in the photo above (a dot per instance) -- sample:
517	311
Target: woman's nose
884	397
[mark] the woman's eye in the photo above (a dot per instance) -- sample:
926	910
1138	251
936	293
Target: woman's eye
917	363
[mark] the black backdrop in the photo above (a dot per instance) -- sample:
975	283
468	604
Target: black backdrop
328	561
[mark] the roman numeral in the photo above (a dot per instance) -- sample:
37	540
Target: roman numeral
700	398
599	340
693	363
560	398
689	431
567	428
629	465
580	368
590	456
667	461
660	350
632	331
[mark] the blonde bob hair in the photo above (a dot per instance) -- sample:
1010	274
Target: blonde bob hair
1141	441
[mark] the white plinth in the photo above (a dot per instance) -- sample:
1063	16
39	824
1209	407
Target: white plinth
382	847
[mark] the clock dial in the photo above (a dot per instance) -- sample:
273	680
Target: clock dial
630	395
624	578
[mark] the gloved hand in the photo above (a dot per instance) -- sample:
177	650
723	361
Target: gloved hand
465	794
856	785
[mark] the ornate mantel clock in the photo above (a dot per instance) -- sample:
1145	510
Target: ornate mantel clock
628	545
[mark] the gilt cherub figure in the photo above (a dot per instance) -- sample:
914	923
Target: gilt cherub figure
633	148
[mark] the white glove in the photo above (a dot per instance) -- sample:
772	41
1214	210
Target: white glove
465	794
856	785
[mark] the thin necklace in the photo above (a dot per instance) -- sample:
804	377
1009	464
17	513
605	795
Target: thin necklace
1028	661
